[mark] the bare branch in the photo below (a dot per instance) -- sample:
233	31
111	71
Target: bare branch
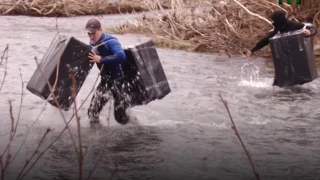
4	56
73	95
8	157
56	101
253	14
36	151
238	135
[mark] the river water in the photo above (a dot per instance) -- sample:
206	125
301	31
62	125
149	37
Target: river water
186	135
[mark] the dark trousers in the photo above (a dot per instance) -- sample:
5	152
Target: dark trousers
103	94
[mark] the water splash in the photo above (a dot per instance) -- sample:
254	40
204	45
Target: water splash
250	71
250	76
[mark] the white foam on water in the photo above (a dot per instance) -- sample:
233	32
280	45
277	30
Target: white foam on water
256	84
223	125
166	123
259	121
250	77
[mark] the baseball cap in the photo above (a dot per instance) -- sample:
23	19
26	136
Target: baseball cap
93	25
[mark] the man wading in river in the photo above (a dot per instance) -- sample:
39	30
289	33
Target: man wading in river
282	25
108	55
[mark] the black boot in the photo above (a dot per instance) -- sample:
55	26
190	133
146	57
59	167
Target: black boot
120	115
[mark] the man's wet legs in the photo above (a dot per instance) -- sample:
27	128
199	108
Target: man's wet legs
98	101
120	102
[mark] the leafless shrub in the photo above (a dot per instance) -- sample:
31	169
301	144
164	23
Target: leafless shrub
7	157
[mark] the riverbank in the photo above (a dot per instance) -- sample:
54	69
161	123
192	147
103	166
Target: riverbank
67	8
227	27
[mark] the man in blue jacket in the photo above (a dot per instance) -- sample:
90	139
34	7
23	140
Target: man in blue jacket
109	55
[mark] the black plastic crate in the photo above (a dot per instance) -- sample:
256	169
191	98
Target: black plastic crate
293	58
145	73
63	51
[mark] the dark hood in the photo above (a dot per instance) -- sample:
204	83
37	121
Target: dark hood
279	19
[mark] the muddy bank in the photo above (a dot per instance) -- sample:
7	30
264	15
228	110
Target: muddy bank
227	27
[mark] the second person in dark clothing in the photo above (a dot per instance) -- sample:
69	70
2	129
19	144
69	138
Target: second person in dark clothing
282	25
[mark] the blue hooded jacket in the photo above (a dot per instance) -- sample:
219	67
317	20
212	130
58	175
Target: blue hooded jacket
113	55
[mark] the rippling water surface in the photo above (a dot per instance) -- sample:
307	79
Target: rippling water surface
186	135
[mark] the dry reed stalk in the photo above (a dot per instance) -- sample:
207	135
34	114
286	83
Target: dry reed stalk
102	152
36	151
66	125
114	173
59	108
21	101
99	158
4	57
13	131
253	14
28	131
58	137
73	96
22	173
4	167
5	52
58	65
234	128
25	170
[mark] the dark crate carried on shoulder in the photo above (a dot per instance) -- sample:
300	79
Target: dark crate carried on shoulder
293	58
145	74
146	80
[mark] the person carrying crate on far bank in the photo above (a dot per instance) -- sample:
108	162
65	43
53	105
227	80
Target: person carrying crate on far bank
283	25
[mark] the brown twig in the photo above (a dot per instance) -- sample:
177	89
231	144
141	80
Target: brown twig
56	101
66	125
251	13
1	168
36	151
29	129
45	150
11	8
99	158
4	53
73	95
4	56
58	137
57	26
114	173
14	127
239	137
8	158
21	100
